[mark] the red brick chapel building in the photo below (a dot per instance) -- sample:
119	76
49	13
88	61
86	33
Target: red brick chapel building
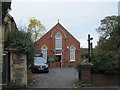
58	42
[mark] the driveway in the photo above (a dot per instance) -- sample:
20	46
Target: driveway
56	78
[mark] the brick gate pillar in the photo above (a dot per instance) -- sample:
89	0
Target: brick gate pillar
85	73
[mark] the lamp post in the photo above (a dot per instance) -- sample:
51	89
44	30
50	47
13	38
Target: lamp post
89	46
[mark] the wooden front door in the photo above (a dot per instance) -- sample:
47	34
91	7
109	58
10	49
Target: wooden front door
58	60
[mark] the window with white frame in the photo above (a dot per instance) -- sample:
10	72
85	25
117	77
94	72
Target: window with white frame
44	51
58	41
58	52
72	53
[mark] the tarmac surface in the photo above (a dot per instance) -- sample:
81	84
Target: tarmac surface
56	78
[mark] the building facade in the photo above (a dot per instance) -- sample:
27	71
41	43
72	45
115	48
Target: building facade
58	42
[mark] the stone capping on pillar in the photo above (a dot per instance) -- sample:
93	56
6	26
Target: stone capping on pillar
85	71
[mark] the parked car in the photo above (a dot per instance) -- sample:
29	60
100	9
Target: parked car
40	65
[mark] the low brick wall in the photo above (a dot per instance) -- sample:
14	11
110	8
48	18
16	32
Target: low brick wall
105	80
63	64
54	64
88	78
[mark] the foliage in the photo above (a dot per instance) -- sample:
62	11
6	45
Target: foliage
109	42
105	63
109	39
20	41
108	25
36	28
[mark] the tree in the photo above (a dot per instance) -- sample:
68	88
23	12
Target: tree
109	34
107	51
108	24
20	40
36	28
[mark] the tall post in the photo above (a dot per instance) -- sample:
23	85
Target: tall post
89	47
91	50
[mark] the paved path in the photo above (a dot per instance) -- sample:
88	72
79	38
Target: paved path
56	78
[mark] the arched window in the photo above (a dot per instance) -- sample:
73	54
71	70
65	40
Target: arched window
58	41
72	53
44	51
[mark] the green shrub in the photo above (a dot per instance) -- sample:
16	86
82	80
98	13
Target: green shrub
106	62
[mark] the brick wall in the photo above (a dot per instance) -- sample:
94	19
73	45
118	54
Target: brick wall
87	77
67	40
105	80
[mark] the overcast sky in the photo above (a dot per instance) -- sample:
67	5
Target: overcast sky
78	17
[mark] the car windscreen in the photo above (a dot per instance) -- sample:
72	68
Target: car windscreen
39	60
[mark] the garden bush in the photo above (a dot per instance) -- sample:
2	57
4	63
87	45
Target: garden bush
106	62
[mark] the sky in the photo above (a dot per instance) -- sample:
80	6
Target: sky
79	17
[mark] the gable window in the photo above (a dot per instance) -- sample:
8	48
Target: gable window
72	53
58	41
44	51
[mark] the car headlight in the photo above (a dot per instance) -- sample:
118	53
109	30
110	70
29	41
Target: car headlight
46	65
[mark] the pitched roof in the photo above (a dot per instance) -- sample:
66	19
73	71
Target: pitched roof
68	32
58	24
